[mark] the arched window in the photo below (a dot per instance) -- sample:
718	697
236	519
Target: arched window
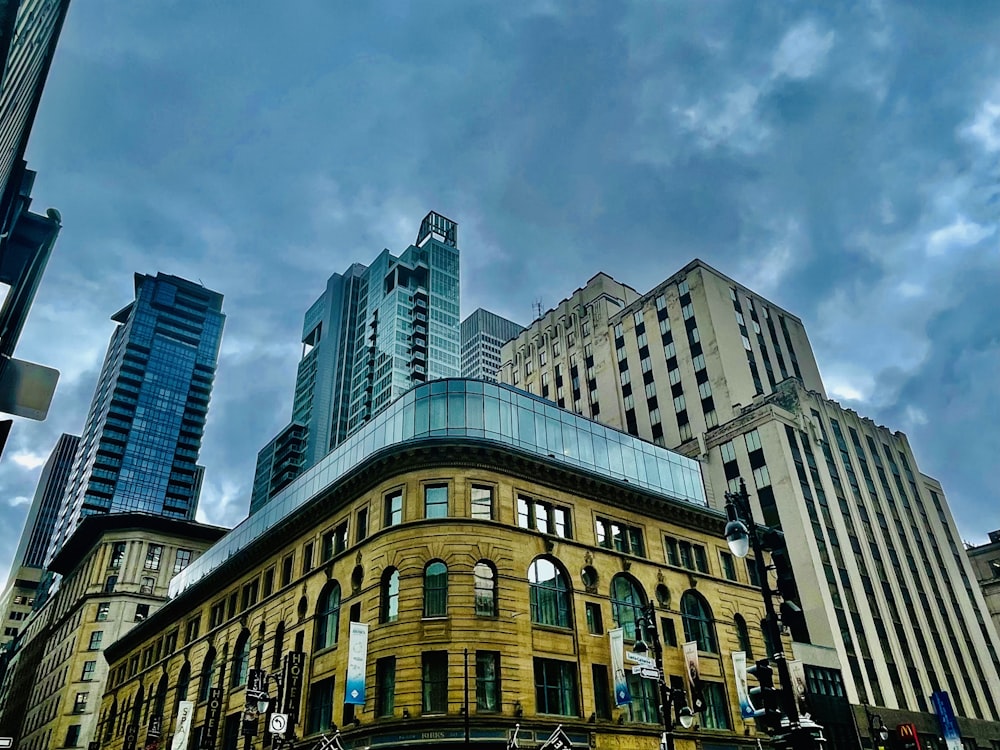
241	660
279	644
109	726
207	675
137	708
161	697
627	600
698	621
183	681
485	576
328	615
436	589
549	590
743	636
389	609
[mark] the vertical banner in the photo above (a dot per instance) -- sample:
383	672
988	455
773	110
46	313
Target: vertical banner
256	690
797	675
617	640
357	658
154	732
185	712
210	729
946	718
694	675
295	663
740	670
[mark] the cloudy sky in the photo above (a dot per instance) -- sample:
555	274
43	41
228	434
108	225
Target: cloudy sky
841	160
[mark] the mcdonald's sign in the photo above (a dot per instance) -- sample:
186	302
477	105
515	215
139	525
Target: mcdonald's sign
907	738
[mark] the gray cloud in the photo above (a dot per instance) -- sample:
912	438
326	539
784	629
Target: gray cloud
842	162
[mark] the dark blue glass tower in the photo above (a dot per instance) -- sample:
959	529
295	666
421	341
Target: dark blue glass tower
140	444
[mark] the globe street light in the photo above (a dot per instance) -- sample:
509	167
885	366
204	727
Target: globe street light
742	534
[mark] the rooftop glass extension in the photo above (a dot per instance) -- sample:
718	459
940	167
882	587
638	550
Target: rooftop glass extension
474	409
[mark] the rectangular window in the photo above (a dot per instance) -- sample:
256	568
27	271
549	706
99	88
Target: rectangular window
752	440
393	509
95	640
286	569
217	615
146	584
715	715
117	554
191	632
307	558
231	606
602	691
361	527
482	502
320	716
555	687
595	626
73	735
685	554
620	537
153	555
141	612
109	584
487	681
436	501
434	682
181	560
103	609
89	667
250	592
669	632
728	565
752	572
268	581
543	516
385	686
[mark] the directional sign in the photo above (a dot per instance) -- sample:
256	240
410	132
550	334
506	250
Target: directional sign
650	673
640	659
278	724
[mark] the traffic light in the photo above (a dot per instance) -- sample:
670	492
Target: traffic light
765	697
783	570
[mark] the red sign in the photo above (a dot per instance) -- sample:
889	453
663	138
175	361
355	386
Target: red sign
908	738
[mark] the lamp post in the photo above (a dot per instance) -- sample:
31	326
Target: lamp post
670	697
267	704
743	534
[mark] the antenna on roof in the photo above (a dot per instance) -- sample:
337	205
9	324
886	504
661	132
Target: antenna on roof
536	308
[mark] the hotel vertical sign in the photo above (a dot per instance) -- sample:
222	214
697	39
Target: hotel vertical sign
295	664
210	729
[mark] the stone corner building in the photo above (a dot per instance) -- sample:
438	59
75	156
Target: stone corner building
489	541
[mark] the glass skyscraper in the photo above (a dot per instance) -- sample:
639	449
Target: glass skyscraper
374	333
140	444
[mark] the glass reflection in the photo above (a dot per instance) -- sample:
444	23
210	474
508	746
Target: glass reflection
484	411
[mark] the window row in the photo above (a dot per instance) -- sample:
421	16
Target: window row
154	555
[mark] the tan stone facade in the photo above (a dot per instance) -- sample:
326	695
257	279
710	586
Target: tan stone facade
269	596
116	570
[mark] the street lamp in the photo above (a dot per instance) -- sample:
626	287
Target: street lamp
671	698
742	534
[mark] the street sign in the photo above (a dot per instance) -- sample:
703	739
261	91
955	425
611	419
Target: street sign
650	673
647	661
637	668
278	723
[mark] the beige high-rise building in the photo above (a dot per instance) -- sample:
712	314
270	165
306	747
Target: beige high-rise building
886	611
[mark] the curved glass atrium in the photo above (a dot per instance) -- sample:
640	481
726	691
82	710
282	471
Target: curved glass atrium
484	411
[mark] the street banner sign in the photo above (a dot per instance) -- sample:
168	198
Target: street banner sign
946	718
557	741
357	656
616	637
